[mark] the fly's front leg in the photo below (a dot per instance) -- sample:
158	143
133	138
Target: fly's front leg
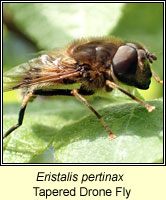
115	86
84	101
156	78
21	115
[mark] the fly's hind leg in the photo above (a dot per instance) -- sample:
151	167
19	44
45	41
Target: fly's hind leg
21	115
38	93
75	92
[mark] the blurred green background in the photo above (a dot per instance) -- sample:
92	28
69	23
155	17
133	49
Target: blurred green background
32	27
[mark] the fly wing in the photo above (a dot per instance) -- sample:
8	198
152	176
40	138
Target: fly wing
45	68
15	76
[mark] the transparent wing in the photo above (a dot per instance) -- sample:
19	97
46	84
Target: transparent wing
46	68
15	76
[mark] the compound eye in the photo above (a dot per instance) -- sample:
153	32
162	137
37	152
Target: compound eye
125	61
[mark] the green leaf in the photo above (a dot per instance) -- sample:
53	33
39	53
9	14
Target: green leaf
71	134
52	25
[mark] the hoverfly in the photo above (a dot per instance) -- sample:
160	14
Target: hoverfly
83	68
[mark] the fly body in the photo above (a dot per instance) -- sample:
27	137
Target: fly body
84	68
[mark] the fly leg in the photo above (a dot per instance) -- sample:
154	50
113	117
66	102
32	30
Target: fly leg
53	92
75	92
78	94
41	92
115	86
156	78
21	115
